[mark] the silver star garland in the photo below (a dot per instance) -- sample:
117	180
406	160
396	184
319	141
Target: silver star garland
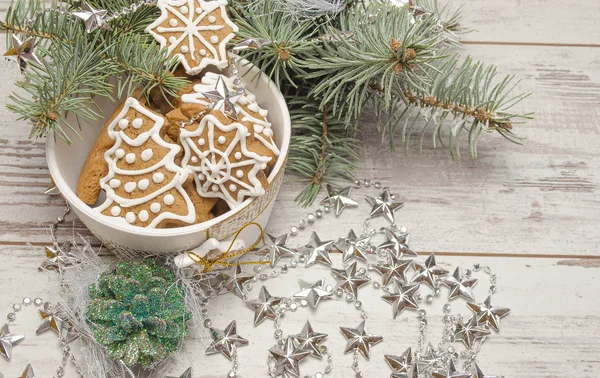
225	340
479	374
348	280
310	340
264	306
487	314
358	338
275	248
7	340
394	268
50	321
22	51
28	372
460	286
317	250
288	357
469	331
400	364
93	18
351	247
223	99
313	293
402	298
429	271
398	244
338	199
451	372
235	284
384	205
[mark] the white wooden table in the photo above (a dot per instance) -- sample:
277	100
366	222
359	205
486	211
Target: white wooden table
530	212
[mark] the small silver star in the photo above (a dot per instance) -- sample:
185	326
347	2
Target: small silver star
359	338
486	314
318	251
275	248
477	373
429	360
469	331
251	44
384	205
186	374
394	268
402	298
7	340
313	293
451	372
348	280
288	357
339	199
400	364
225	340
429	271
93	18
397	244
22	51
56	259
51	321
223	99
72	333
352	247
28	372
460	286
310	340
264	306
235	284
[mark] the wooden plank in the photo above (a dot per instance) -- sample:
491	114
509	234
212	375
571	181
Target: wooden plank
552	326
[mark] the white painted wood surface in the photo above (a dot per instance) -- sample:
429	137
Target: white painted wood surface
531	212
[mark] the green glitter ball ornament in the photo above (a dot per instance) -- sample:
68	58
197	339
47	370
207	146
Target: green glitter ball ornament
138	313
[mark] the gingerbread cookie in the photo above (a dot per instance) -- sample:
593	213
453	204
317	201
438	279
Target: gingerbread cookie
196	31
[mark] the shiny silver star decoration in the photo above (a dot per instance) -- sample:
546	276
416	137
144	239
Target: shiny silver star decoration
469	331
264	306
72	333
429	360
225	340
50	320
460	286
429	271
186	374
57	259
212	282
223	99
402	298
93	18
477	373
251	44
288	357
384	205
7	340
318	251
22	51
338	199
348	280
352	247
310	340
487	314
394	268
28	372
235	284
451	372
400	364
313	292
359	338
397	244
275	248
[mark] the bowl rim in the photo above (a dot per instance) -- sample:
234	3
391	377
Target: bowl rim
78	205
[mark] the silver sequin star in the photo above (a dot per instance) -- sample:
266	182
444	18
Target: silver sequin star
486	314
93	18
251	44
348	280
477	373
394	268
451	372
460	286
310	340
288	357
359	338
352	247
22	51
384	205
223	99
264	306
402	298
275	248
7	340
313	293
397	244
50	320
318	251
469	331
186	374
235	284
338	199
225	340
28	372
429	271
400	364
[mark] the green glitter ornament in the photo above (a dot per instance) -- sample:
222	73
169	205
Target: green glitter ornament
138	312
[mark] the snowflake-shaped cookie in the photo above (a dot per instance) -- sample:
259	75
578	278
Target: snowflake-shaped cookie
195	31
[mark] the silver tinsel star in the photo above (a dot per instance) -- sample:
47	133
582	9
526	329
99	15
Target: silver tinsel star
477	373
460	286
264	306
469	331
310	340
186	374
225	340
7	340
402	298
28	372
338	199
397	244
359	338
50	320
235	284
251	44
93	18
352	247
429	271
318	251
384	205
400	364
56	258
223	99
22	51
288	357
348	280
313	293
394	268
486	314
451	372
275	248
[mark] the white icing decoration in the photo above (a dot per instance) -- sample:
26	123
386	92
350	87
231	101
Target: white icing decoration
120	153
115	211
239	173
258	128
233	187
263	112
242	100
185	49
253	107
214	39
147	154
167	163
238	155
201	141
155	207
212	19
202	52
190	29
114	183
222	139
143	184
215	188
123	123
158	177
268	132
137	123
130	158
184	10
144	216
169	200
172	40
194	159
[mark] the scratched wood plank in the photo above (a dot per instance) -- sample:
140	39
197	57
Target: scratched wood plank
551	328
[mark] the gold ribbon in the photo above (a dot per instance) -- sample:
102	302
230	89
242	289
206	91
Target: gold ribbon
208	264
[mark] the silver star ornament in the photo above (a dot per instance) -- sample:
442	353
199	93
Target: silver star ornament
313	292
275	248
310	340
429	271
186	374
460	286
384	205
288	357
348	280
351	247
7	340
318	251
400	364
50	320
477	373
264	306
225	340
338	199
57	259
22	51
394	268
487	314
402	298
359	338
28	372
93	18
223	99
397	244
469	331
451	372
235	284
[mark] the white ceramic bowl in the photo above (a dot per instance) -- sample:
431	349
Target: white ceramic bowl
65	163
